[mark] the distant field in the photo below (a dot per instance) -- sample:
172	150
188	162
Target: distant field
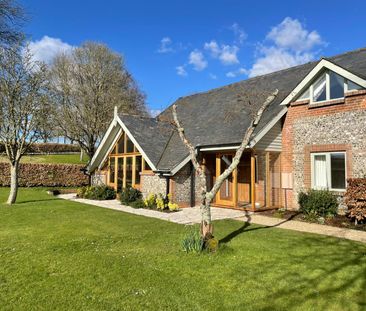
52	158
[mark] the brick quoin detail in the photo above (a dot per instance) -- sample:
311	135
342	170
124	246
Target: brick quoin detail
303	112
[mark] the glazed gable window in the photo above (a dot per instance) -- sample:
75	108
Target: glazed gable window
328	86
328	170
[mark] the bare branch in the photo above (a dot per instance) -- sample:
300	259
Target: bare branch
185	141
239	152
85	87
208	196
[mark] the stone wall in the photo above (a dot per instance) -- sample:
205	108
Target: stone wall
181	187
151	183
339	126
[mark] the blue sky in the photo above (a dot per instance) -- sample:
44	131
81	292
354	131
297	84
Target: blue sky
176	48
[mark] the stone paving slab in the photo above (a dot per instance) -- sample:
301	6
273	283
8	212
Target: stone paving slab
184	216
192	215
343	233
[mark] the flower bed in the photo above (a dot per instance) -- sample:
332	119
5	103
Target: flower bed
133	197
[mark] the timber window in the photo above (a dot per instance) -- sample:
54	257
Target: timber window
125	164
328	170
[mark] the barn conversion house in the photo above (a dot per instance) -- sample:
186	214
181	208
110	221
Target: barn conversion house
313	135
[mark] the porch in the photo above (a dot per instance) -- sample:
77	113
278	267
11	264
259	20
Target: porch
254	185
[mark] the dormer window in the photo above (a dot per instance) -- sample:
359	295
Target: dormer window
328	86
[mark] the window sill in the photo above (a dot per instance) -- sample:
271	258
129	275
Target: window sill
300	102
338	192
327	103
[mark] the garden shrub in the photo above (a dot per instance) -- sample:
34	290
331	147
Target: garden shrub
173	206
318	203
97	193
212	245
150	201
81	192
161	202
355	198
129	195
139	203
192	241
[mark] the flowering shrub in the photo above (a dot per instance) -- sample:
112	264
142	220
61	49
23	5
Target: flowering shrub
173	206
160	202
150	201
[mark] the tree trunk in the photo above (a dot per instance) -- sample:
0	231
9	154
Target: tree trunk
206	223
14	170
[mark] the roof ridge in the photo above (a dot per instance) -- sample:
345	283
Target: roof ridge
345	53
134	115
263	75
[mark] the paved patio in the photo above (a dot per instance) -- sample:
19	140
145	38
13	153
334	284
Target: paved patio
185	216
192	216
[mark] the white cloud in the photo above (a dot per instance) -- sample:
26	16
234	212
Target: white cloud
212	76
213	47
291	44
239	33
47	48
275	59
197	60
165	45
227	54
154	112
239	72
291	34
181	71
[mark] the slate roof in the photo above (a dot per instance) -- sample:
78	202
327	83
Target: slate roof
220	116
152	135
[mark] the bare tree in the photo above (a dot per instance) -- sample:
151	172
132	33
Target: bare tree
12	15
86	85
207	196
23	94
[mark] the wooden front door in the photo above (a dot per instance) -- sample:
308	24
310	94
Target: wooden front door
244	179
227	193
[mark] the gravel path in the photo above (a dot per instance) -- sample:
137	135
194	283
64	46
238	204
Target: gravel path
192	216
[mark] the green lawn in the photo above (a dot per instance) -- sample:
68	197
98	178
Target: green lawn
52	158
60	255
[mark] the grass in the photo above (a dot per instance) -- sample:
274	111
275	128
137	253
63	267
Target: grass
60	255
51	158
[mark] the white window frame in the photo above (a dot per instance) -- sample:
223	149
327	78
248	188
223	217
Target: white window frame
329	169
327	85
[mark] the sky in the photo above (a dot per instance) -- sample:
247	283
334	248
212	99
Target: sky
178	48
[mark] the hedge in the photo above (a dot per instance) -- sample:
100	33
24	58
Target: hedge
48	148
355	198
45	175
